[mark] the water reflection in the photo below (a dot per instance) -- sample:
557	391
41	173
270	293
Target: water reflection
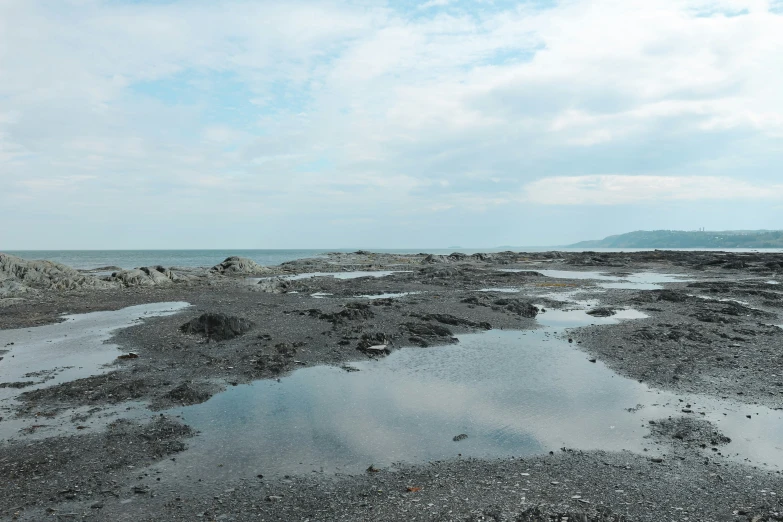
70	350
513	393
56	353
635	281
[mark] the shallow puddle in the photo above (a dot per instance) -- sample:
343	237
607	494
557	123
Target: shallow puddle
635	281
391	295
512	393
345	275
720	299
66	351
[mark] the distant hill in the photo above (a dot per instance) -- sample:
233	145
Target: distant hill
682	239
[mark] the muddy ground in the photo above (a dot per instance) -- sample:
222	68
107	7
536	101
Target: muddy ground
713	334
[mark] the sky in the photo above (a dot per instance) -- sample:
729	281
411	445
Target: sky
128	124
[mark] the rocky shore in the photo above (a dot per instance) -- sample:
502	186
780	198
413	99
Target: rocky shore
711	327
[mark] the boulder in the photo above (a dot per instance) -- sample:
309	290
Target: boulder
144	276
517	306
238	265
601	312
217	327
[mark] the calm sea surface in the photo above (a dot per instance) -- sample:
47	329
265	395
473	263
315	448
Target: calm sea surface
189	258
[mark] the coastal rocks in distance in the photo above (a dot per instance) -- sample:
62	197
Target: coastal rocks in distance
20	276
216	326
100	269
144	276
235	265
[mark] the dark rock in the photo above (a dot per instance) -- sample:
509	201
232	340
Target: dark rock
369	340
601	312
428	330
351	312
18	384
455	321
518	307
216	326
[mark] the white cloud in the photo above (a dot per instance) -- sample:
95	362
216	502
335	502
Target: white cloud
624	190
450	109
434	3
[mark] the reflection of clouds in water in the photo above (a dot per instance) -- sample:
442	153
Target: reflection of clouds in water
759	438
514	393
512	396
635	281
73	349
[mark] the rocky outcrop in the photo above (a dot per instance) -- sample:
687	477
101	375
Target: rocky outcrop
239	266
20	276
431	259
151	276
144	276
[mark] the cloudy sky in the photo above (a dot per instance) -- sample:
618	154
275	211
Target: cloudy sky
367	123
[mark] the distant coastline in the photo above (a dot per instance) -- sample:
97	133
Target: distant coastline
689	239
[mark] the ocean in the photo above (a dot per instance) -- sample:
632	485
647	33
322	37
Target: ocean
88	259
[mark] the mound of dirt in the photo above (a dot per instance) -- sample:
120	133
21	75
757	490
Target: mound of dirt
688	430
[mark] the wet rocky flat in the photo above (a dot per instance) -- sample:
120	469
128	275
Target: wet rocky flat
658	372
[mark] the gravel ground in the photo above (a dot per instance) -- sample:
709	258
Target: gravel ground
697	339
